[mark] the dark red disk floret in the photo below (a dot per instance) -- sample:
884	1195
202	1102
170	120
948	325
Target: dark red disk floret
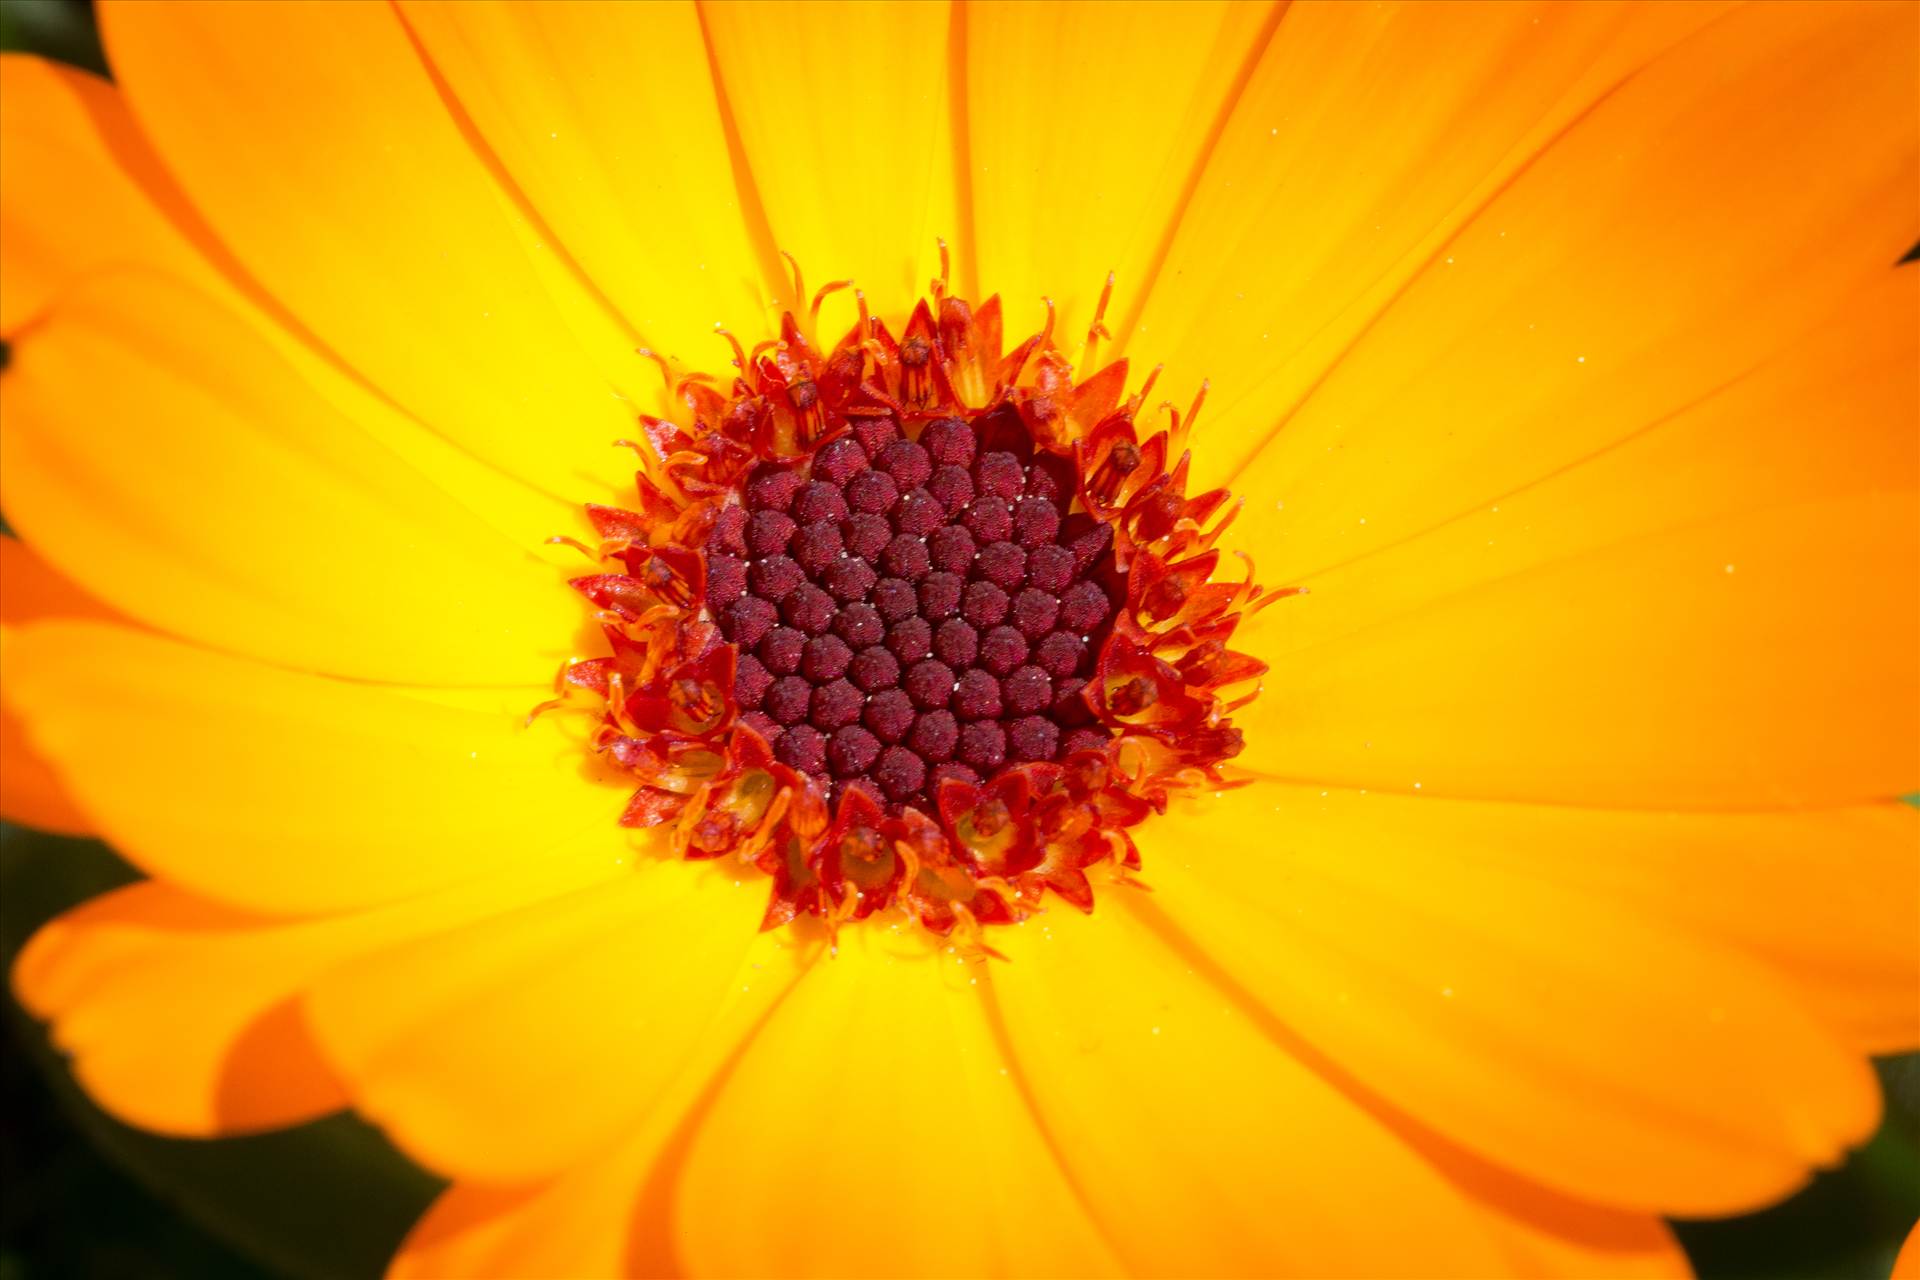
852	750
938	596
819	503
984	604
918	513
874	668
910	639
906	557
1026	691
895	598
890	714
951	549
839	461
750	681
950	441
906	462
803	747
860	625
901	773
999	474
787	699
773	488
726	580
934	736
848	580
872	492
865	534
780	649
929	683
825	658
1060	654
1003	564
951	487
956	643
807	608
988	519
817	546
835	704
983	744
768	532
1002	649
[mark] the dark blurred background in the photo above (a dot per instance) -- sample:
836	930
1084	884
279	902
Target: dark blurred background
85	1196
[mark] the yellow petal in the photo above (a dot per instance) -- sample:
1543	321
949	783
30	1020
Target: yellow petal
844	119
586	1223
1421	218
183	1015
1640	1248
73	172
607	119
320	152
597	1004
1516	690
279	791
166	458
1823	897
1546	1234
30	588
1907	1265
606	1217
1186	1126
82	194
875	1127
1697	616
1086	129
1365	134
31	793
1623	1248
1585	1042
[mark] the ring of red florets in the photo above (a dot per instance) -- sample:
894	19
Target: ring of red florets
974	840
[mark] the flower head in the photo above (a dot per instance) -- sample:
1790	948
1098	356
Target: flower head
914	623
903	877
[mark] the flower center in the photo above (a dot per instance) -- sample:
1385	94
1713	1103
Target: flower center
912	612
915	626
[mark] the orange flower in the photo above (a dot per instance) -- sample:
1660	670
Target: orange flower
1559	353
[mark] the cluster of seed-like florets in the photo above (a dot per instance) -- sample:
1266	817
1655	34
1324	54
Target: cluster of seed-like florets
914	623
910	612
